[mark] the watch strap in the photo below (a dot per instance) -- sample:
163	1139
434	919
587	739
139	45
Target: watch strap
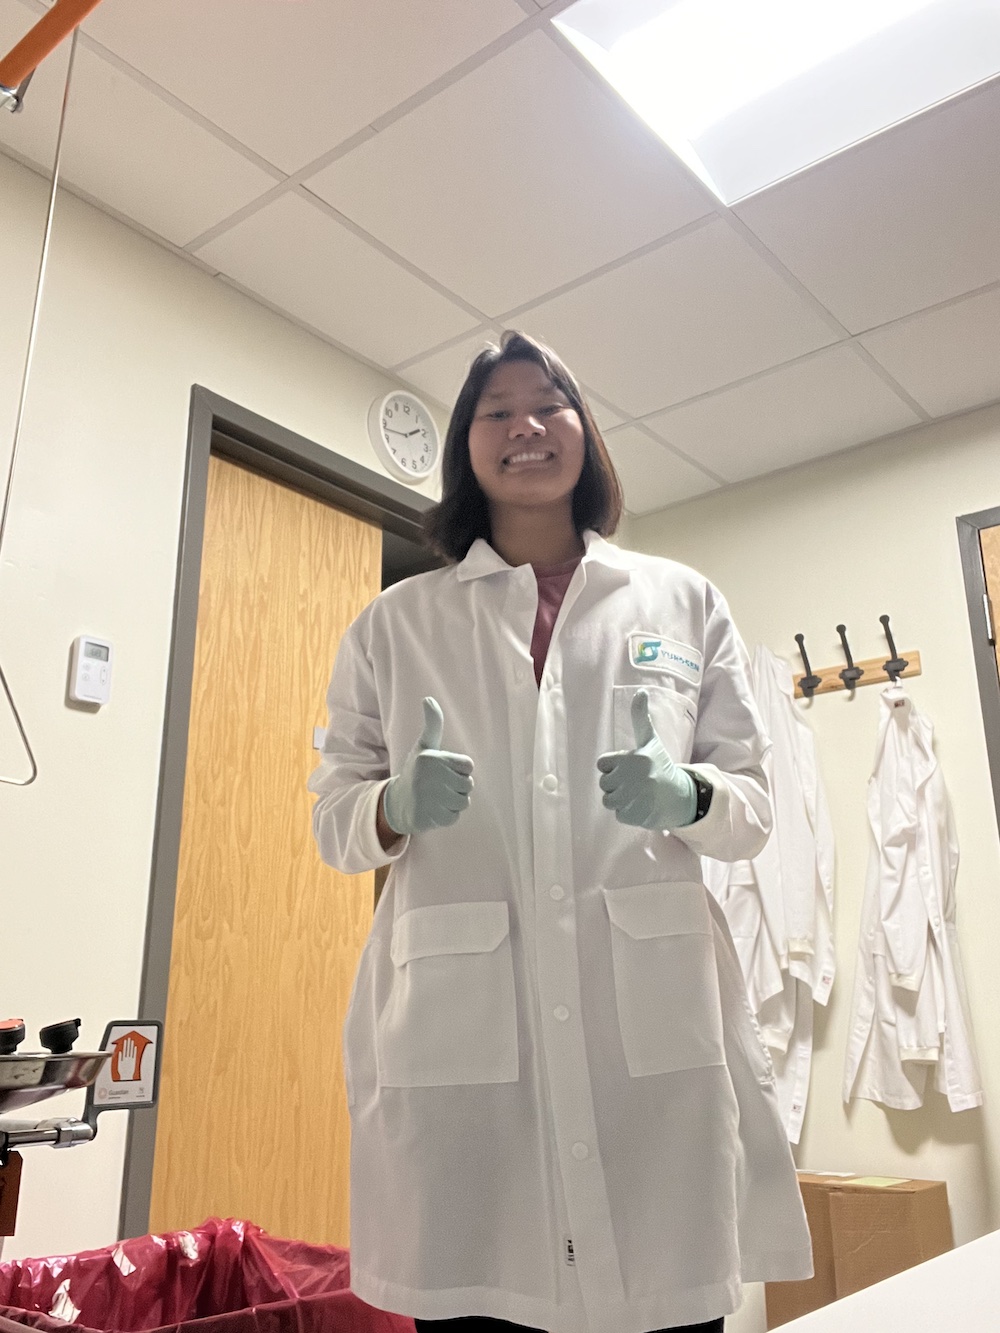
704	792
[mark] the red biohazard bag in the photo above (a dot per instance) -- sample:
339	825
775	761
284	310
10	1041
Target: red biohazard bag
222	1277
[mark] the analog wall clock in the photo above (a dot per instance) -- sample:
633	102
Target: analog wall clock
404	436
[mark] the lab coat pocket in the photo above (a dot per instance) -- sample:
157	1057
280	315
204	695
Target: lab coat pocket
666	982
451	1016
672	714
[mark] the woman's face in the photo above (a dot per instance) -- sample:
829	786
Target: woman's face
526	441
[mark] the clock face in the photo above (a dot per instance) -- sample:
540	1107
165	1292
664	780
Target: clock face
404	436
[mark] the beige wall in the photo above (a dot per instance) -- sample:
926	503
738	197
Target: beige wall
127	329
847	539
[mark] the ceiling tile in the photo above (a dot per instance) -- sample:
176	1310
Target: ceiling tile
131	150
902	222
293	80
651	474
949	359
793	414
301	260
686	318
518	179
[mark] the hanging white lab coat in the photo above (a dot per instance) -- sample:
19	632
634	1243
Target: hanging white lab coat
779	904
562	1113
909	1012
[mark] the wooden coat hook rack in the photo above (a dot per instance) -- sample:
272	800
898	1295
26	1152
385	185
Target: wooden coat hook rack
873	671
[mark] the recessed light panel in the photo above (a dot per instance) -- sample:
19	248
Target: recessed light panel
747	92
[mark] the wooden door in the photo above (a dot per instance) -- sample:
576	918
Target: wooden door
989	543
253	1116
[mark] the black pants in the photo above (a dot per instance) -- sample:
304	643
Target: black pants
479	1324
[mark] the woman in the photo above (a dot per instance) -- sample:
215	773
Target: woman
562	1113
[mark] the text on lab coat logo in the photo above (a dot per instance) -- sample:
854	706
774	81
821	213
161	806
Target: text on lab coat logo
651	652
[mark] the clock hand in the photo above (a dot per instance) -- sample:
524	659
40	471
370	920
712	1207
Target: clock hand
413	432
389	431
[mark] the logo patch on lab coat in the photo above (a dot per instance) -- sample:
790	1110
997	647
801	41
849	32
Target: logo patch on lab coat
651	652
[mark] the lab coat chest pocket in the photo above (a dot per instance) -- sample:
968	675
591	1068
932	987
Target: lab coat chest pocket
673	715
451	1016
666	983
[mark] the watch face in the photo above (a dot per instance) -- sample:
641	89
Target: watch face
408	436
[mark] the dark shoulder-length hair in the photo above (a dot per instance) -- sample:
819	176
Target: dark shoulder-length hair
462	515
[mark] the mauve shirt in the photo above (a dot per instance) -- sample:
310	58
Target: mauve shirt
553	580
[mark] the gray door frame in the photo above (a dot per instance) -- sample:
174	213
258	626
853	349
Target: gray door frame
216	425
981	622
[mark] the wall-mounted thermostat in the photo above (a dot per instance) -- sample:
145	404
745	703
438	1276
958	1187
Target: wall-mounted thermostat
90	670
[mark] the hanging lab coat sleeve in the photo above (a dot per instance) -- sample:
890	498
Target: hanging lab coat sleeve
729	747
776	1244
354	767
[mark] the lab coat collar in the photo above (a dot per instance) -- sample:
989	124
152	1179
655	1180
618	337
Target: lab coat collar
482	559
914	733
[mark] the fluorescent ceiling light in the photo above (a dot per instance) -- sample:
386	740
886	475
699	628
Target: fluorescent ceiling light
747	92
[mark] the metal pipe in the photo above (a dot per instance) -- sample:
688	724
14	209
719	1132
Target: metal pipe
62	1133
25	377
64	17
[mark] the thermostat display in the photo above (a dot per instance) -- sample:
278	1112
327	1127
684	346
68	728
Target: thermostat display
90	670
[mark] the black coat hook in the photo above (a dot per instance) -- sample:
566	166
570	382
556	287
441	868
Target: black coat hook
895	667
851	673
809	682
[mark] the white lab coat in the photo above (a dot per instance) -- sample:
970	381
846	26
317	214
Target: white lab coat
909	1011
562	1113
779	905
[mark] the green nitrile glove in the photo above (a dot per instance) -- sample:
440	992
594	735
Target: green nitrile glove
644	786
432	788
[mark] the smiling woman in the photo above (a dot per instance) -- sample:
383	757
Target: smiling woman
518	401
526	448
562	1114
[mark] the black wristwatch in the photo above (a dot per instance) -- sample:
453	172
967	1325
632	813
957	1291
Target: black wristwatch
704	790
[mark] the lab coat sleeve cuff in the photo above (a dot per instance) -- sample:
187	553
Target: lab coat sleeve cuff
730	831
367	846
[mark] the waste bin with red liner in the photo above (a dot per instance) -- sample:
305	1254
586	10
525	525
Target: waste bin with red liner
221	1277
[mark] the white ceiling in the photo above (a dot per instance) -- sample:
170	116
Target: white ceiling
406	180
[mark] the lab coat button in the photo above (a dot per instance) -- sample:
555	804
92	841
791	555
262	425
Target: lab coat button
550	782
557	893
580	1151
561	1013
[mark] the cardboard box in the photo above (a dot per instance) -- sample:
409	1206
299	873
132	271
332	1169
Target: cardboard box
864	1229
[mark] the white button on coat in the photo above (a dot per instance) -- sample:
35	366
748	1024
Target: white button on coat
466	1098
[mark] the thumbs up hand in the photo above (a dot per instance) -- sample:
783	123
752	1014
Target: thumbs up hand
432	788
644	787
